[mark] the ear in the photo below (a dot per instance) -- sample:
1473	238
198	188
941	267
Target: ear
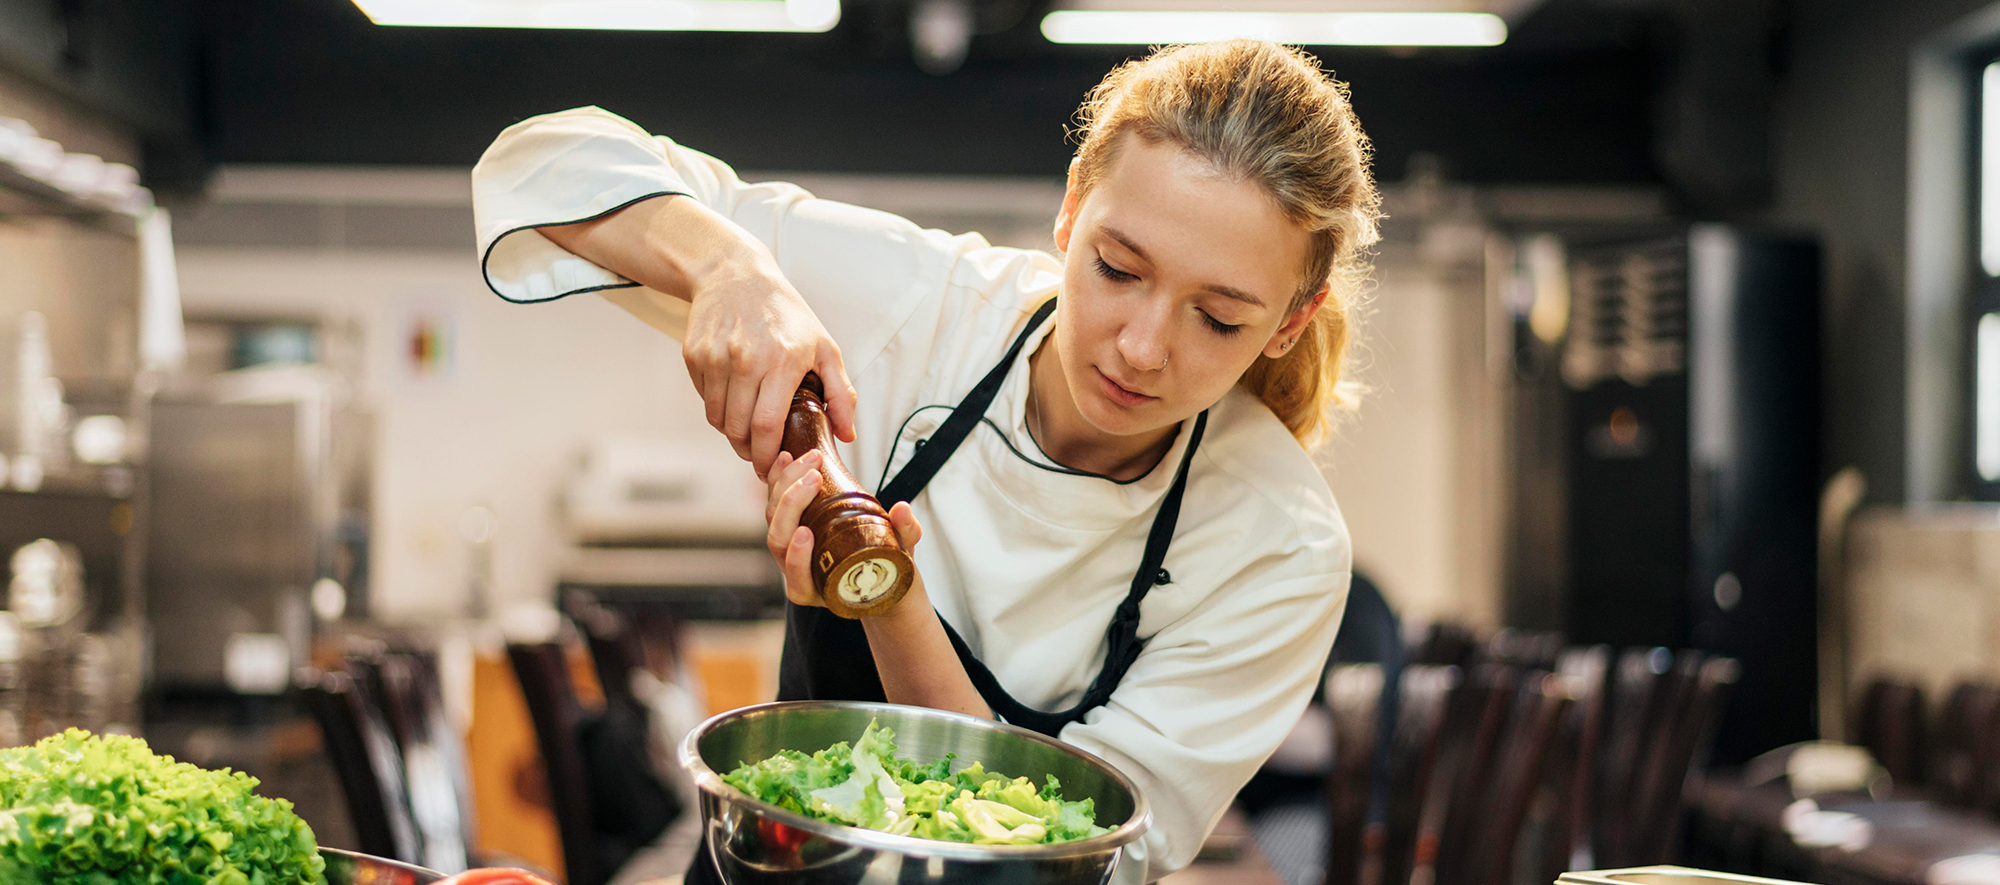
1295	324
1066	219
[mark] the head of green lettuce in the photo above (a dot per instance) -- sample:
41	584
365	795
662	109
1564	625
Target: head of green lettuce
79	809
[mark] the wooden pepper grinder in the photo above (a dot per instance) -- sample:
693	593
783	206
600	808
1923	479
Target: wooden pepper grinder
858	564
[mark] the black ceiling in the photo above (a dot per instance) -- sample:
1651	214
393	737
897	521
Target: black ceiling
315	81
1570	97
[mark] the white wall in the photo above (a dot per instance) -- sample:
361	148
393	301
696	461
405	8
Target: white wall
1394	465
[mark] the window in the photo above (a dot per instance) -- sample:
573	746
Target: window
1983	318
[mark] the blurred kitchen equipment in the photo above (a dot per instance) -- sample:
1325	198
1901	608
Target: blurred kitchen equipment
58	675
259	482
73	431
858	563
752	841
673	524
1683	405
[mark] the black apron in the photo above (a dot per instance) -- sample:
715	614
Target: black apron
826	657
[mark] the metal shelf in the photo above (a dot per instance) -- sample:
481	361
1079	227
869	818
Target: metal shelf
24	195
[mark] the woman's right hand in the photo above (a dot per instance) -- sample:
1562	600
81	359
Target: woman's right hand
750	340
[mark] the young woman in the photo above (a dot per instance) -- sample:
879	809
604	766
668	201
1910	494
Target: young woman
1124	541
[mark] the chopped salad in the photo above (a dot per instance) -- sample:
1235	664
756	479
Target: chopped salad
865	785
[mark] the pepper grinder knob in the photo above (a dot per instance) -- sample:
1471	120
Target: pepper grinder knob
858	564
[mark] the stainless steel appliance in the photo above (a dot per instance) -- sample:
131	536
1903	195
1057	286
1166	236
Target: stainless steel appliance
258	484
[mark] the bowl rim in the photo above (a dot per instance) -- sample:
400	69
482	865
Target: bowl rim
709	781
351	856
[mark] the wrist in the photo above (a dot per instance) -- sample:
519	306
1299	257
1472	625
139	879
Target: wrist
910	611
708	251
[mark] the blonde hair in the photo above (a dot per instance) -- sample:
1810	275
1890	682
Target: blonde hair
1265	112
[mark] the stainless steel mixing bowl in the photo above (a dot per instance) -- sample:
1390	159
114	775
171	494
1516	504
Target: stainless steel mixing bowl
354	868
754	842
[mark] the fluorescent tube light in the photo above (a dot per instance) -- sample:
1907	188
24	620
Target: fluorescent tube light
1142	27
610	15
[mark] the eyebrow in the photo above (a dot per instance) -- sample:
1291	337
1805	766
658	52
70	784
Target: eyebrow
1219	289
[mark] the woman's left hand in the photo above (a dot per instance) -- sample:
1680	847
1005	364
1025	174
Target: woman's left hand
793	483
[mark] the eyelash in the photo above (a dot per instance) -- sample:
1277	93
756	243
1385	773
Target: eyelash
1116	275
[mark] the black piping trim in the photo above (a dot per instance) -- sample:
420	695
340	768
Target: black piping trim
1050	467
487	256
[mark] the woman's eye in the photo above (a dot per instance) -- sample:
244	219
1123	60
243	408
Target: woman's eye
1112	273
1220	327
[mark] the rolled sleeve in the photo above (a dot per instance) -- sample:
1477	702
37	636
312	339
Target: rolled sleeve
556	169
862	271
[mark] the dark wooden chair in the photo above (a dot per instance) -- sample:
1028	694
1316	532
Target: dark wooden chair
365	759
1889	721
1427	694
557	715
1965	754
1638	697
433	757
1446	644
1680	752
1540	707
616	650
1354	700
1473	745
1525	649
1573	767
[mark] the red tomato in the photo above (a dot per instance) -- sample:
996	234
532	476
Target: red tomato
494	876
781	838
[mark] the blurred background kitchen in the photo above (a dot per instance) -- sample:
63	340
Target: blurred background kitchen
1684	357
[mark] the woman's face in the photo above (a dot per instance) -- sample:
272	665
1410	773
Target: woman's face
1176	277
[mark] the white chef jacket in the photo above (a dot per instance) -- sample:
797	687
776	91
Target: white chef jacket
1025	560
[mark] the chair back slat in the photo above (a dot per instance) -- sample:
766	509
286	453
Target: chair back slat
1889	722
433	760
1676	761
1354	700
365	760
1426	695
543	671
1540	707
1637	706
1575	762
1468	770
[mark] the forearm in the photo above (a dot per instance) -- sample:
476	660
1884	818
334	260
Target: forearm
671	244
916	661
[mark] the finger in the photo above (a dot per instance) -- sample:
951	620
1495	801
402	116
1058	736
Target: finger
798	569
905	522
782	477
772	487
786	507
742	400
714	388
767	421
840	396
791	504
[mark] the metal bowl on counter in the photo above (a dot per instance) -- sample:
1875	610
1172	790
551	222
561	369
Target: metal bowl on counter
353	868
754	842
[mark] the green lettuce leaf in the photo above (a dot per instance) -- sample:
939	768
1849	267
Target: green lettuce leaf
78	809
866	785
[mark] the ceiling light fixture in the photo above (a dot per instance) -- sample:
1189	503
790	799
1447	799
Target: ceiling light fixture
1141	27
808	16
